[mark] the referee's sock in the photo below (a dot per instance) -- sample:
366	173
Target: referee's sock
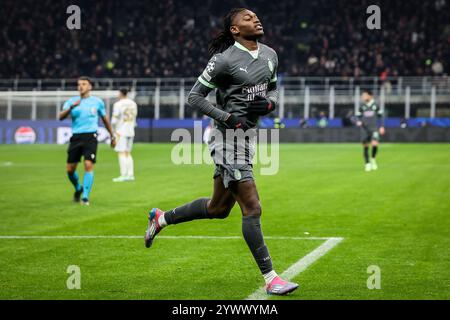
88	180
75	180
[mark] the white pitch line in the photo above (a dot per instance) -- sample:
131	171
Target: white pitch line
300	266
113	237
260	294
6	237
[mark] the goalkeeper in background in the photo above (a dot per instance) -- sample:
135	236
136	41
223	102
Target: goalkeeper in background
369	115
123	122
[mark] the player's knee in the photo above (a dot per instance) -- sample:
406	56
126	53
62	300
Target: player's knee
253	210
88	166
70	169
219	212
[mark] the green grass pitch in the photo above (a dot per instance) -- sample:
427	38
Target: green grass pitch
397	218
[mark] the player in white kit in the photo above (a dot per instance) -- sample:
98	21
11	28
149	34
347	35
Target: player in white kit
124	122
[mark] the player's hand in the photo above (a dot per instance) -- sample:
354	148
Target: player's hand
261	106
382	131
113	142
75	104
234	122
358	123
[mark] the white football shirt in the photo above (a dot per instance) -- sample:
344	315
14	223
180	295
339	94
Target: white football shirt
124	117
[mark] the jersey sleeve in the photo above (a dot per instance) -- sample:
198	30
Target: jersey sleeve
211	78
379	111
101	108
115	114
358	113
272	92
135	109
215	72
275	68
67	104
380	116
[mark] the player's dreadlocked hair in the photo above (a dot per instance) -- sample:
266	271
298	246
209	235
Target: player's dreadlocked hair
225	38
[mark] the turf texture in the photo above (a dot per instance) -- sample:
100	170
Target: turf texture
396	218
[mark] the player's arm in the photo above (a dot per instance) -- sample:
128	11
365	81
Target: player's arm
210	79
115	117
110	130
358	115
108	125
380	116
197	100
102	113
134	112
206	82
272	90
67	108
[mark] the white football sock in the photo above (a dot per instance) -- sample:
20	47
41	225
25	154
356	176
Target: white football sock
268	277
123	165
162	221
130	166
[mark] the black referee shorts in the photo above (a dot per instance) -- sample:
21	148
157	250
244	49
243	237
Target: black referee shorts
82	144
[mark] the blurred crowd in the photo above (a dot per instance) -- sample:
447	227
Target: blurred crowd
169	38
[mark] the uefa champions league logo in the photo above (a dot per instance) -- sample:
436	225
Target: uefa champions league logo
210	67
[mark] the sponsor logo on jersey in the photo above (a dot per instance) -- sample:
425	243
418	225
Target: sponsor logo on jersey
256	90
261	87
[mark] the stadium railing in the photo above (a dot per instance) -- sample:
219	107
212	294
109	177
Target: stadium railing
300	97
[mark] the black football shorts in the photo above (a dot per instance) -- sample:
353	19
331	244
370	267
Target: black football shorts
82	144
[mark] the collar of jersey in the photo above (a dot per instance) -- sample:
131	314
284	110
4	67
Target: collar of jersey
240	46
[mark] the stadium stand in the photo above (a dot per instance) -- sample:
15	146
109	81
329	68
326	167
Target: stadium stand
169	38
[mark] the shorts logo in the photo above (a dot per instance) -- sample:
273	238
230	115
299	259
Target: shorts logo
237	174
92	156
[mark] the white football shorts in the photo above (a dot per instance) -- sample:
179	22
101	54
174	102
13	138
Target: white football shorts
124	144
